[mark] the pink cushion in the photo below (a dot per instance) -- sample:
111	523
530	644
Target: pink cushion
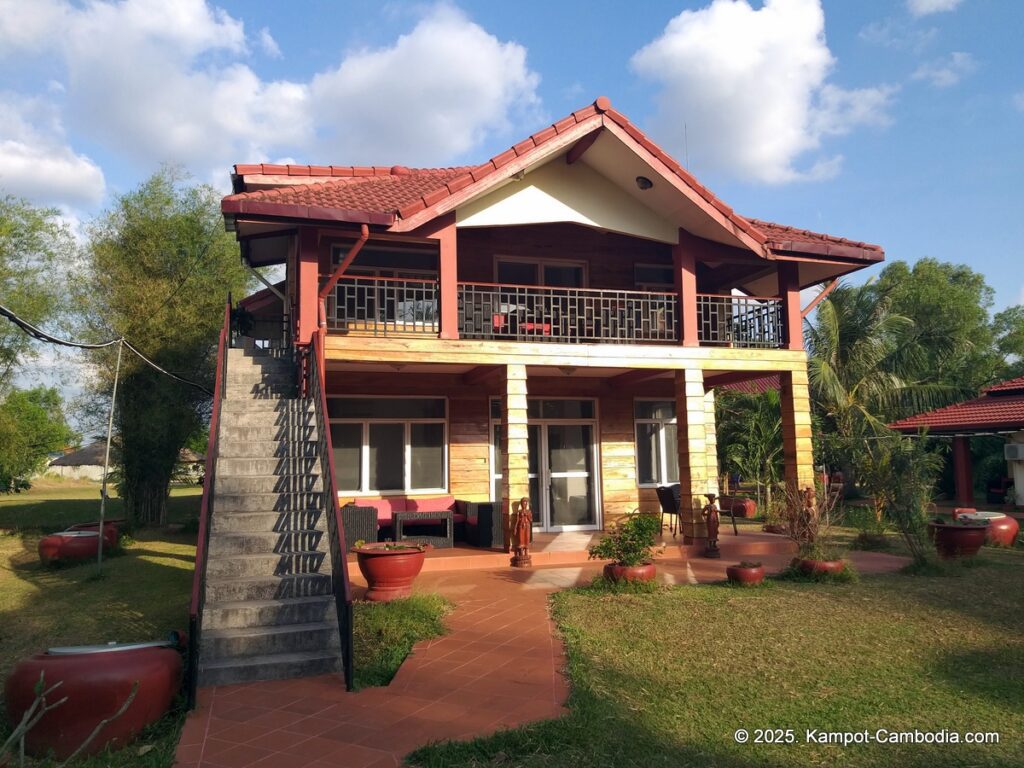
429	504
458	517
385	507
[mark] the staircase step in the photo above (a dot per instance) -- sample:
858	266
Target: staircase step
275	433
253	466
239	484
271	667
221	590
264	522
263	641
246	405
268	564
266	449
268	613
267	419
267	502
260	543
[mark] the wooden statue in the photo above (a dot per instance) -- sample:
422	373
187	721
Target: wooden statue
710	515
522	530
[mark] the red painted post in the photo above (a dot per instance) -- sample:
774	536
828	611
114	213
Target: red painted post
307	285
684	263
443	230
963	477
789	292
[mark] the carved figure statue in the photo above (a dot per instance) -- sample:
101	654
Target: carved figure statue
710	515
522	530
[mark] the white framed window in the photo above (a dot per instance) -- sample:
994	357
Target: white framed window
553	273
389	445
657	449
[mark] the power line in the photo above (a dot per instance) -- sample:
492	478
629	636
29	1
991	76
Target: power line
41	335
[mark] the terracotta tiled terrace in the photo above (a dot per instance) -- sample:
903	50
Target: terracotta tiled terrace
501	665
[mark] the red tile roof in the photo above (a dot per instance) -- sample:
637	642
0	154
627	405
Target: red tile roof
999	409
382	195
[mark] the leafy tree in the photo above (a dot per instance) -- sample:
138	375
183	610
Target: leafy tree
949	306
1008	327
33	244
32	425
161	267
750	438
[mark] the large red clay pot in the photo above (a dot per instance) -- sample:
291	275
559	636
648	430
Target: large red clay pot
1002	529
69	547
954	541
774	528
111	529
389	569
615	572
744	507
813	567
747	575
96	685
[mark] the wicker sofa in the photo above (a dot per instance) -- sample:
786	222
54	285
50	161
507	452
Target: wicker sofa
476	523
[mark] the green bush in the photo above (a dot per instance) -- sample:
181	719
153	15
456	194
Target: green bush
629	542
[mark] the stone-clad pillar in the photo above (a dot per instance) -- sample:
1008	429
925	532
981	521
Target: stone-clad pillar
515	482
798	449
694	482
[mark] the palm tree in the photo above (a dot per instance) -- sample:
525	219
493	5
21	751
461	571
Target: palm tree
750	436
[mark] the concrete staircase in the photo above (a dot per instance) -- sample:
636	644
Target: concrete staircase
269	610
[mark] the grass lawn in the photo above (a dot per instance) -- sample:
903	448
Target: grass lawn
665	679
384	634
54	504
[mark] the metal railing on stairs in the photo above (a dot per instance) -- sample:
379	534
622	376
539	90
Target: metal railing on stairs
316	390
195	612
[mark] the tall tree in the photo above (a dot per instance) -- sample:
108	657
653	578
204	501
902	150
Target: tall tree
1008	327
32	425
750	438
948	305
161	267
34	246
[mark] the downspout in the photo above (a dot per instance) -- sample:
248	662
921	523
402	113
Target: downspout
364	235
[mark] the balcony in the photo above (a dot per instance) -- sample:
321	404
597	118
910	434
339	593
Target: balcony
376	306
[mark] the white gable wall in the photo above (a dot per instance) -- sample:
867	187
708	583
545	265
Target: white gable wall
557	192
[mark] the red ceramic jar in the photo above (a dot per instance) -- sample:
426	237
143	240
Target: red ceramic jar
954	541
745	575
821	567
614	572
389	573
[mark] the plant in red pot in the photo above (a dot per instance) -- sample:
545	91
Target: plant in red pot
630	546
389	568
747	573
959	536
809	525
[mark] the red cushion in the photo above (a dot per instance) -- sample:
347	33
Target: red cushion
385	507
429	504
458	517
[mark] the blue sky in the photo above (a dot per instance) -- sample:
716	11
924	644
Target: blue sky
899	122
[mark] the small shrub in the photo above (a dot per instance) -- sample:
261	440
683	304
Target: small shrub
845	576
601	584
630	542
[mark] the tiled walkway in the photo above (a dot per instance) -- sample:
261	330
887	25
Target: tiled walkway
499	666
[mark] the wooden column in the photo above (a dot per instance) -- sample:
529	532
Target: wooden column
684	268
515	482
711	441
963	476
798	450
307	284
789	292
693	457
443	230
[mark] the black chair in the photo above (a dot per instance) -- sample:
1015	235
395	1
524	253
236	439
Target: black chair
668	498
359	523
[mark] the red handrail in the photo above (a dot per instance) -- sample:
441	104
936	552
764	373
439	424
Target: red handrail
375	278
569	288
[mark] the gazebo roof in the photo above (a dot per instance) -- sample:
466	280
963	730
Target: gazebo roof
1000	408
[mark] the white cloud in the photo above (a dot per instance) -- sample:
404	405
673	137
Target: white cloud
943	73
268	44
176	87
437	92
750	86
898	35
35	160
920	8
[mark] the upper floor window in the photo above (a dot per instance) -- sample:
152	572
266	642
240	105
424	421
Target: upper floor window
654	277
553	274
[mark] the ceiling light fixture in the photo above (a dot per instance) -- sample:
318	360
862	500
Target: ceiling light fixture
643	183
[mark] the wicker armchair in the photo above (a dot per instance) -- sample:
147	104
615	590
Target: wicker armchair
489	531
360	523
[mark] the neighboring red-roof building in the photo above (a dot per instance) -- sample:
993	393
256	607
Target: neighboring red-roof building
999	410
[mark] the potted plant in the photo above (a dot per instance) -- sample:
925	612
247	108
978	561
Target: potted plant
389	568
775	518
958	535
809	525
746	573
630	546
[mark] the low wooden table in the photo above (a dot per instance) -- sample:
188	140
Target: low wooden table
401	519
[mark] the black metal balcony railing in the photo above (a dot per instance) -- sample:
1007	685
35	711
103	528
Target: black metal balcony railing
739	321
566	315
384	306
